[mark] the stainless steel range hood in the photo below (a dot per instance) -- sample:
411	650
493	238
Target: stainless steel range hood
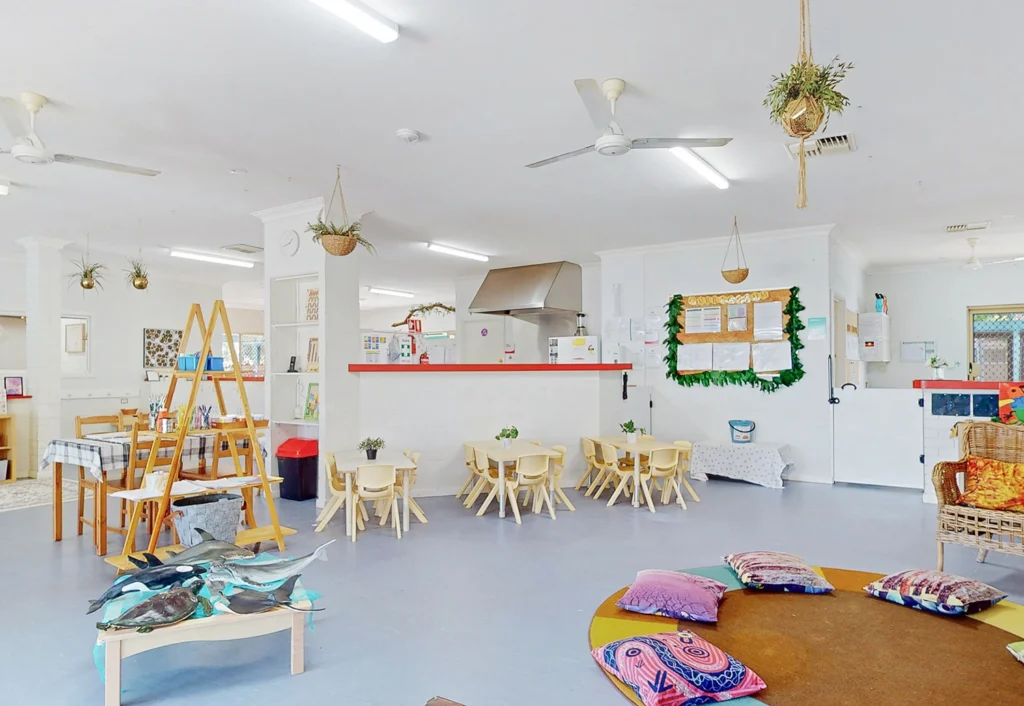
531	291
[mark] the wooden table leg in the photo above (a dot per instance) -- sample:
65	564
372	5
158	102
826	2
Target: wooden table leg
112	670
100	516
350	515
58	501
298	643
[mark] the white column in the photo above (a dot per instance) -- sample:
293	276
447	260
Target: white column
44	286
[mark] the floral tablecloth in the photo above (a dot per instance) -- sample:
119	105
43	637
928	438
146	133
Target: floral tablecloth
760	463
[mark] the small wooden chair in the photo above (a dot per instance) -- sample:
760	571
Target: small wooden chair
607	468
531	472
625	476
488	476
685	448
414	507
664	466
377	482
590	456
470	481
337	485
559	464
85	480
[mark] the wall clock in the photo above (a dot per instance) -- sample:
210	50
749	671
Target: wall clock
289	243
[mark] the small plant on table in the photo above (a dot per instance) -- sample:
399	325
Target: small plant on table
630	430
371	446
506	435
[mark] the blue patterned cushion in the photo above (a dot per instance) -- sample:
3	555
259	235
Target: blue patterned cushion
777	571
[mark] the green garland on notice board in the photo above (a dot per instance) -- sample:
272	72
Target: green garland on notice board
785	378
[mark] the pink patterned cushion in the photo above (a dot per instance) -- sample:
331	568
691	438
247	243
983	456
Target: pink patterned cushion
674	594
777	571
677	669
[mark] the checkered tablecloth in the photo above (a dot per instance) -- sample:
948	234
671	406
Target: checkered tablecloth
110	452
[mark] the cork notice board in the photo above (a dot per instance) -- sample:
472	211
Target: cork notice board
746	338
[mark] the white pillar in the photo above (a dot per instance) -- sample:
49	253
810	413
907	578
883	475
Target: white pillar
44	286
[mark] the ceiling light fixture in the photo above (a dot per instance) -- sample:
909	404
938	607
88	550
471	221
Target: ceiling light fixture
457	253
690	159
360	16
390	292
202	257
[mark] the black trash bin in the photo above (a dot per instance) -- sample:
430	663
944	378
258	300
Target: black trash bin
297	461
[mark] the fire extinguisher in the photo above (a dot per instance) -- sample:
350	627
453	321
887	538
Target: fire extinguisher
424	359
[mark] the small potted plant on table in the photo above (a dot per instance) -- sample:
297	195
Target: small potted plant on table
371	446
630	430
506	435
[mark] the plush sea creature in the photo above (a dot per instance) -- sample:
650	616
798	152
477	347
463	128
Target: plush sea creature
163	609
1017	650
266	573
248	601
154	578
209	550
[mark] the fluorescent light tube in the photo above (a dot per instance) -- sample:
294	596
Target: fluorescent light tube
390	292
444	249
435	335
361	17
690	159
202	257
5	188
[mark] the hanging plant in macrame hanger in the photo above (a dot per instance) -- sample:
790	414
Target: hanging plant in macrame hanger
740	272
338	240
806	95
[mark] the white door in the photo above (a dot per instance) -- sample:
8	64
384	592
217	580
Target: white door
878	437
481	340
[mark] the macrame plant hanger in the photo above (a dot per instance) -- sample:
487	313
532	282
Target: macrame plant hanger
804	114
740	272
339	245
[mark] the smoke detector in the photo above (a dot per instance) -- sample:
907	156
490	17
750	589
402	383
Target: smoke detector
824	146
961	227
243	248
408	136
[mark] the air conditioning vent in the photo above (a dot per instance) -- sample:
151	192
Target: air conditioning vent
961	227
824	146
243	248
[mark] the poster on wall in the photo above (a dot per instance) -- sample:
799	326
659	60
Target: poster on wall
704	320
160	347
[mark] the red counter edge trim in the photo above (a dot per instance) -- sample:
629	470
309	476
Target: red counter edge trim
487	368
955	385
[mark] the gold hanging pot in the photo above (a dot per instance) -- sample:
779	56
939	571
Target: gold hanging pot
740	272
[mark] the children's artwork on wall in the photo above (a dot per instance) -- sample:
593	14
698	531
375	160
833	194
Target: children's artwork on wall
313	304
14	386
160	347
758	346
1011	403
312	411
313	356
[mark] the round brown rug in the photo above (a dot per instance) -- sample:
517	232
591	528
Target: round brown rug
847	648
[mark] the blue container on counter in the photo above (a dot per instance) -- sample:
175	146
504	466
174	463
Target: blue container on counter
742	430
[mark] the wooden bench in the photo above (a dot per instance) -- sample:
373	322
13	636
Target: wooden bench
119	644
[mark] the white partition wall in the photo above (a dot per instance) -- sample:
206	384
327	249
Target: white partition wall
294	265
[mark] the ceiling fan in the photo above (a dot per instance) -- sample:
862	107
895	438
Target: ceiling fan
973	263
600	103
20	121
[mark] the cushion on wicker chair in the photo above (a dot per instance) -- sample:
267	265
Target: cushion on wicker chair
936	592
674	594
673	669
777	571
993	485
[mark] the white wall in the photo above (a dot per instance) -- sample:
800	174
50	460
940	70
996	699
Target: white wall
246	320
797	415
930	304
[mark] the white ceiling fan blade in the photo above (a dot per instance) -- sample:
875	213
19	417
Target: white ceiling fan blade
15	119
1003	262
100	164
597	105
660	143
559	158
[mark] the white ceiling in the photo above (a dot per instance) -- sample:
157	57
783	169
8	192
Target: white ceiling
285	91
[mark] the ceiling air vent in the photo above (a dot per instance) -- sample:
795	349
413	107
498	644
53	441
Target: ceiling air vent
243	248
824	146
961	227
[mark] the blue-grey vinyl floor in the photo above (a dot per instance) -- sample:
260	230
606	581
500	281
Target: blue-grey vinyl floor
476	609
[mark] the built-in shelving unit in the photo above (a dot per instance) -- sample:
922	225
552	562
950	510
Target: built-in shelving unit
290	335
296	324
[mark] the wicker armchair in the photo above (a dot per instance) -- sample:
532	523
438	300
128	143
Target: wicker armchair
984	529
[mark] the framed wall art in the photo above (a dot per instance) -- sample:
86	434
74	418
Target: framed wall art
160	347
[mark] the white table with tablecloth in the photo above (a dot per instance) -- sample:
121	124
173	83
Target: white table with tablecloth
760	463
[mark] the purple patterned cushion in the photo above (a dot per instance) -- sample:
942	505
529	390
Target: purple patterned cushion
674	595
776	571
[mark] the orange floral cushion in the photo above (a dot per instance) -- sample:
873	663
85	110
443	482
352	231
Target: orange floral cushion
993	485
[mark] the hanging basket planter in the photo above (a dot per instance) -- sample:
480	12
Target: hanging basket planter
87	275
137	274
740	272
338	240
804	97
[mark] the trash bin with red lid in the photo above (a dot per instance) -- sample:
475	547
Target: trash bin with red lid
297	461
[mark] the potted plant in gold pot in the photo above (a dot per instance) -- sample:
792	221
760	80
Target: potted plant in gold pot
137	274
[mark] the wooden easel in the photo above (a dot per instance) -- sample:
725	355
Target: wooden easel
246	429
